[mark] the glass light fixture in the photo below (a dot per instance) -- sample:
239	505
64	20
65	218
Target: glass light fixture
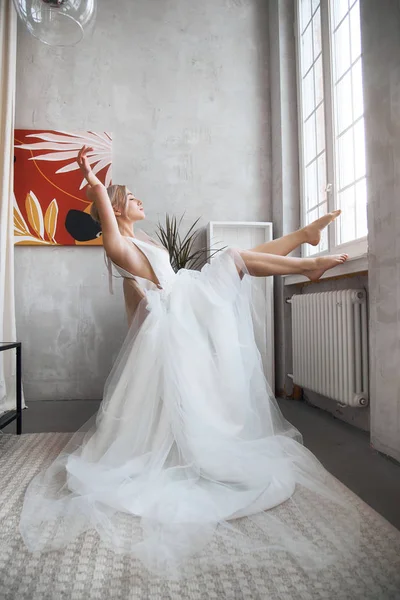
57	22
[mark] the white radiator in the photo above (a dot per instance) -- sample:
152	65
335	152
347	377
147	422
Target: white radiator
330	347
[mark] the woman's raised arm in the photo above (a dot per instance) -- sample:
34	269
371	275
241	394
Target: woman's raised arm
97	193
83	162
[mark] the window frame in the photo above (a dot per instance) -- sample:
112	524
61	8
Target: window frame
358	247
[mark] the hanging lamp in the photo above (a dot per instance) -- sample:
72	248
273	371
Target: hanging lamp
57	22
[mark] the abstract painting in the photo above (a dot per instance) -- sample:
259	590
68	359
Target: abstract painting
50	203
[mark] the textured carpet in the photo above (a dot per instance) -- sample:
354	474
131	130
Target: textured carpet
86	570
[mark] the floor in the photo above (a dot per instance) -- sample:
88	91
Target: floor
344	450
87	569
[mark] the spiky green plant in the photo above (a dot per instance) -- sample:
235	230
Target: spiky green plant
182	249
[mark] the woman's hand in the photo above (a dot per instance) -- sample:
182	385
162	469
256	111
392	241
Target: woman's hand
83	162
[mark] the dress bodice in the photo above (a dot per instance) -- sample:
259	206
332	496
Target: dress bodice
159	261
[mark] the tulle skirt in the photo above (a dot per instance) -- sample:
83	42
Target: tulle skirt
189	463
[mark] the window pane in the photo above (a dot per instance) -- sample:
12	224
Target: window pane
355	32
340	8
349	123
347	148
323	245
320	118
322	197
319	81
310	146
359	147
314	5
306	49
345	158
317	33
348	220
311	185
358	101
341	40
361	208
305	13
321	167
312	215
344	112
308	94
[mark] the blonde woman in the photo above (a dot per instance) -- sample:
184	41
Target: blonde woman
188	463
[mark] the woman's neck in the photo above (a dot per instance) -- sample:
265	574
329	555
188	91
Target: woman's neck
126	229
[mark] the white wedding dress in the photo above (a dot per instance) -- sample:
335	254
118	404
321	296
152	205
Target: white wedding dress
189	461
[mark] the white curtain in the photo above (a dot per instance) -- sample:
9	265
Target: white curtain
8	48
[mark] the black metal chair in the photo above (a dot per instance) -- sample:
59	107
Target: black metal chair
10	415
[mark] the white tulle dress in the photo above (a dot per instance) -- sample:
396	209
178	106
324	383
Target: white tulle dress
188	462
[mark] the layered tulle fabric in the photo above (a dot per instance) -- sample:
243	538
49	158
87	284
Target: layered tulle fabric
189	460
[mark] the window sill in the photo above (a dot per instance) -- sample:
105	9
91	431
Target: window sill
358	264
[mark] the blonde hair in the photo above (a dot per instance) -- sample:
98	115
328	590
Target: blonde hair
118	195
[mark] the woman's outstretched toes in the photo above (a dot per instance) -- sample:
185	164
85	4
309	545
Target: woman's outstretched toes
323	263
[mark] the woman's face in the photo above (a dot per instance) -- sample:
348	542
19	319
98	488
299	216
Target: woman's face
134	208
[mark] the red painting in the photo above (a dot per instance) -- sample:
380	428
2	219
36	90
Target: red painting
50	203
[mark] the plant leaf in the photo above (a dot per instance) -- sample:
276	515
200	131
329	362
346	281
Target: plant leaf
209	253
19	221
50	220
56	156
191	228
182	250
20	227
34	214
108	177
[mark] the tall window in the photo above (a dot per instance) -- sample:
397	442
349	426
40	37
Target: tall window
331	117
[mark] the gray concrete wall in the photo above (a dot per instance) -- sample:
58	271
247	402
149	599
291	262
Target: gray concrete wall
285	161
183	86
381	64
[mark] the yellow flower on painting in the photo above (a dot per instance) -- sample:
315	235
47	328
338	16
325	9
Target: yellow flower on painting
34	214
41	225
50	220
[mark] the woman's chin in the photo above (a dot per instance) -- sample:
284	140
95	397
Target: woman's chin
139	217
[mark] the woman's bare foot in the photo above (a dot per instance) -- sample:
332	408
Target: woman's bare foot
323	263
313	230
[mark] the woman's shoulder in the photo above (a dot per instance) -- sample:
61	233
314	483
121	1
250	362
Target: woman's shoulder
124	254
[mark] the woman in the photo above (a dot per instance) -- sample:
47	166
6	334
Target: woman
189	462
118	217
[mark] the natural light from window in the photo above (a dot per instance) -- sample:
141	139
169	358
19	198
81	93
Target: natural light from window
349	120
332	142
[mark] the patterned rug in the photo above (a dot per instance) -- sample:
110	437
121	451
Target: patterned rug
86	570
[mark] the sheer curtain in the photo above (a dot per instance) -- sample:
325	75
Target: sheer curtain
8	47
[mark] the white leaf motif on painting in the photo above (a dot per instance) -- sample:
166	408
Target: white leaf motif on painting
64	146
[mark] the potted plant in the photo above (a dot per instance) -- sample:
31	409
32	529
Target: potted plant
183	250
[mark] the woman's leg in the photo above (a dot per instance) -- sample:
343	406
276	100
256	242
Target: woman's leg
260	264
311	234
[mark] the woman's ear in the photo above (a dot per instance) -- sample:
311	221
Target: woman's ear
117	212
